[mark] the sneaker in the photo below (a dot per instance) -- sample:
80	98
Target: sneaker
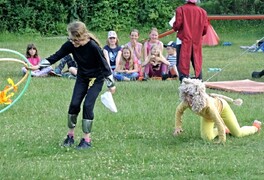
68	141
164	77
83	144
57	71
126	79
66	74
255	74
146	77
71	76
257	124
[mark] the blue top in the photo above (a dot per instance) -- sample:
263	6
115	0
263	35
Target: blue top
112	54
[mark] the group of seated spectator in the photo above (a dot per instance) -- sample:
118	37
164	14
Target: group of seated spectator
132	61
127	62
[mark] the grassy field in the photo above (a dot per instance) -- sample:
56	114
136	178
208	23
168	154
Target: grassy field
136	142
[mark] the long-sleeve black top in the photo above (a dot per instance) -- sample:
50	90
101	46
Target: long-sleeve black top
89	57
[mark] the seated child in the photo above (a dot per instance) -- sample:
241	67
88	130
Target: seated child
127	68
72	68
172	58
34	59
112	50
137	48
155	64
257	47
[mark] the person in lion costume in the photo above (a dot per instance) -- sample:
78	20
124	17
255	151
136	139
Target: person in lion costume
217	117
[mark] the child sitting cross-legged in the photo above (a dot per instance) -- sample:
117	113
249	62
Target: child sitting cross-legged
127	68
34	59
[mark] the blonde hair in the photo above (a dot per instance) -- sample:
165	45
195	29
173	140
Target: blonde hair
131	59
158	49
196	89
135	30
79	30
153	29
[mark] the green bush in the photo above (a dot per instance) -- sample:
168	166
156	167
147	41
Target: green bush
233	6
50	17
115	15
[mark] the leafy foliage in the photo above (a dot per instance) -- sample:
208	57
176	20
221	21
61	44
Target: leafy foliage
50	17
233	6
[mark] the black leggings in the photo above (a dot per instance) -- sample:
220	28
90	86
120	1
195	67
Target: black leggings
87	89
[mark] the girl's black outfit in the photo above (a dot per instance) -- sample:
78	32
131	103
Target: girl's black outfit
93	69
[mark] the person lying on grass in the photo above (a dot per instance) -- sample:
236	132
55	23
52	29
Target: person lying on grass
217	117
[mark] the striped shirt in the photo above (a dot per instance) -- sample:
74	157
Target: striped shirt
172	59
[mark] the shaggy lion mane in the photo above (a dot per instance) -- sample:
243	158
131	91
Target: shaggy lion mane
195	88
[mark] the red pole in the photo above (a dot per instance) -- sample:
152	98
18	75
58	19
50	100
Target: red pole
236	17
166	33
219	17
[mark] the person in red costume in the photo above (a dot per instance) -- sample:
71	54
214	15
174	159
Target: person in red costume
191	23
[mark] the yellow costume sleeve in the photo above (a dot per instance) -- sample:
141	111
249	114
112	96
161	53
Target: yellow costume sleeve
179	112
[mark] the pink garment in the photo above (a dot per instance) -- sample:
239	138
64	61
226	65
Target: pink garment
138	47
192	1
150	45
127	65
39	72
151	72
34	61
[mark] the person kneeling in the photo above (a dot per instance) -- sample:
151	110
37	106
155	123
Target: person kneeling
214	111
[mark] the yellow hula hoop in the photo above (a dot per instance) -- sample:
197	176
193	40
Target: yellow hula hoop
19	61
27	76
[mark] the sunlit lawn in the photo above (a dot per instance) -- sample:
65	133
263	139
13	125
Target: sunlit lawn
136	142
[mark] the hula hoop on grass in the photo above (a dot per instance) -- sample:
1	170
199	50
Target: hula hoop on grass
26	76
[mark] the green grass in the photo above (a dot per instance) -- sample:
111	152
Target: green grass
136	142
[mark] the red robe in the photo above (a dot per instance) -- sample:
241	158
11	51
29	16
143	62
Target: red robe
191	23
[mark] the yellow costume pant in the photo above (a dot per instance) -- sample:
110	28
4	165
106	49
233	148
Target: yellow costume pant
209	132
